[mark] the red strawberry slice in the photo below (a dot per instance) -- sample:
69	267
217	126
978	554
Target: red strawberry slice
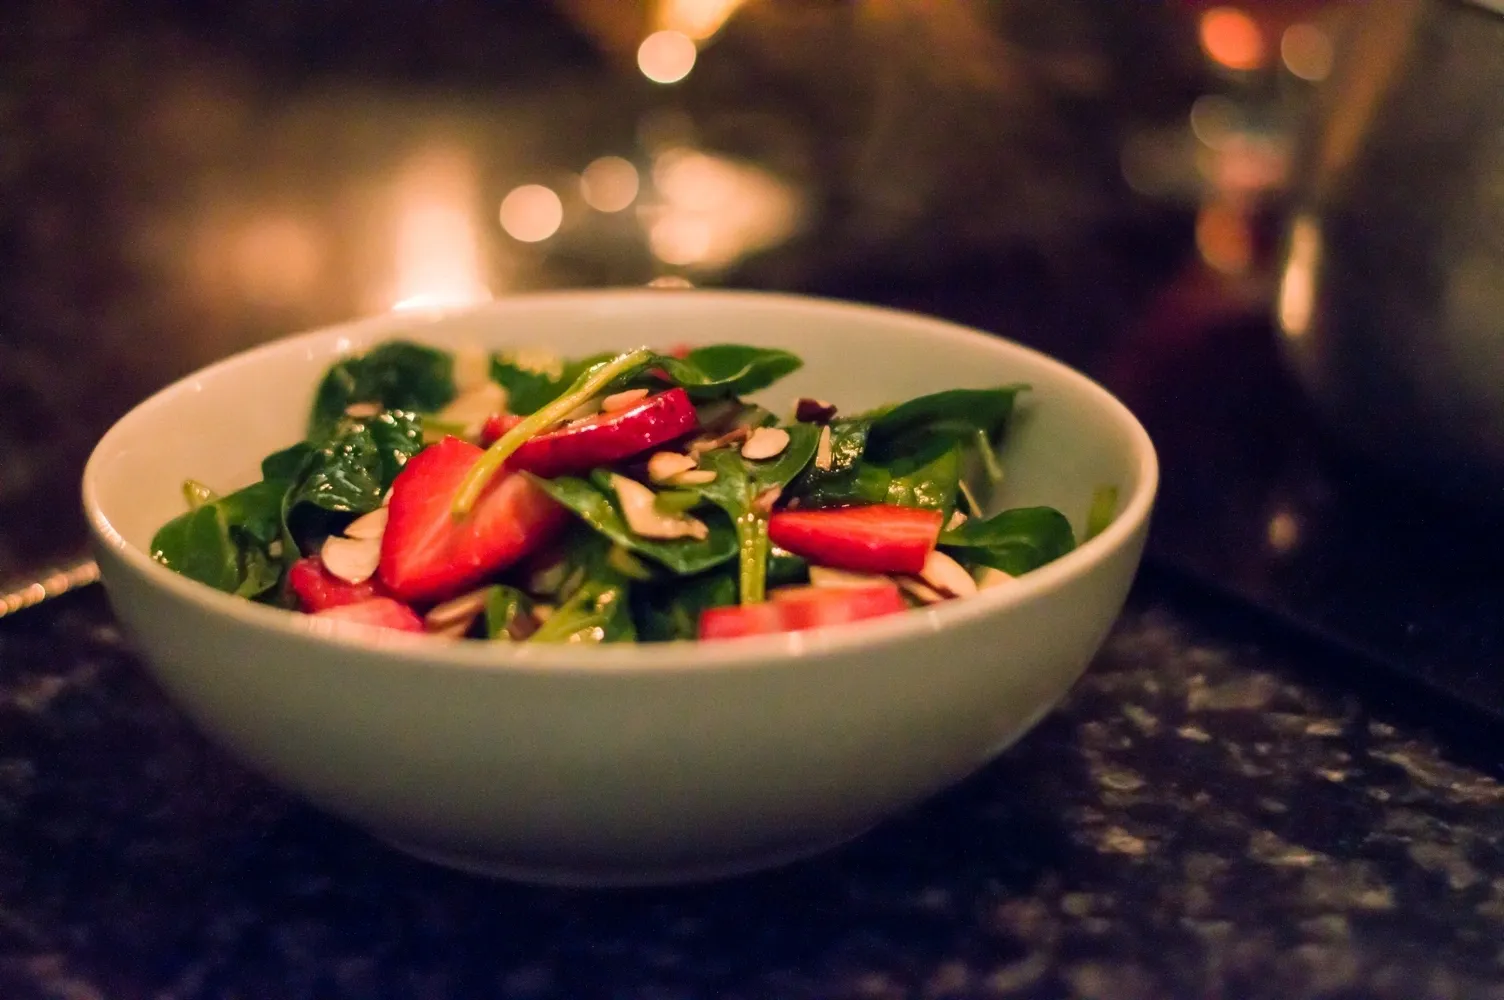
381	612
496	425
608	437
798	608
882	538
318	589
427	554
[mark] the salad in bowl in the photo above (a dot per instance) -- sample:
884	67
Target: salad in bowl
518	496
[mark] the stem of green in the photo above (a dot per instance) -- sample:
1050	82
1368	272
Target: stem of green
589	384
990	463
752	536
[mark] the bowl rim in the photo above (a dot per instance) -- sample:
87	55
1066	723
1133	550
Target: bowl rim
633	659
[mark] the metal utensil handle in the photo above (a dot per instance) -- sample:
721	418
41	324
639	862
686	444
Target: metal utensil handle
46	585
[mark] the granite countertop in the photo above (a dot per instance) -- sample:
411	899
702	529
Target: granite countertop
1216	811
1199	819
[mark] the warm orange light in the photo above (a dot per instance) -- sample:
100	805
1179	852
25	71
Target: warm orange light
609	184
439	261
1230	37
666	56
531	213
1307	52
699	19
1224	238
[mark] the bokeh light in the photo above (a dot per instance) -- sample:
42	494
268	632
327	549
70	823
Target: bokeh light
1232	38
1307	52
531	213
609	184
698	19
666	56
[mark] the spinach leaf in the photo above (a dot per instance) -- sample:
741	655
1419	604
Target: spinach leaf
847	481
928	475
508	612
722	370
738	483
398	374
598	608
668	612
226	543
960	412
529	389
1014	541
597	508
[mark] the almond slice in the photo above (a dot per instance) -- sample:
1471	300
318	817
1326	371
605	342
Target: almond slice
946	575
829	577
824	456
372	525
472	367
765	443
919	589
992	577
693	477
665	465
363	411
622	400
734	436
471	409
644	518
956	520
353	560
461	610
764	501
584	411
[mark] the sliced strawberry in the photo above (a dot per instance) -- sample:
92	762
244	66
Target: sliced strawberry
496	425
381	612
318	589
882	538
427	554
608	437
799	608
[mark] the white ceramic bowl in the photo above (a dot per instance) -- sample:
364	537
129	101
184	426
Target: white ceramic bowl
635	764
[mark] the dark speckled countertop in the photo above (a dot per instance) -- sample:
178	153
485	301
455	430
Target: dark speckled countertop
1220	809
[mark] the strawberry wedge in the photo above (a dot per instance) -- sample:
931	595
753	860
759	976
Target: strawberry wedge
317	589
427	554
798	608
379	612
882	538
607	437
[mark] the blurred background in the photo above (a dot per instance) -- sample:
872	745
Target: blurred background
1108	181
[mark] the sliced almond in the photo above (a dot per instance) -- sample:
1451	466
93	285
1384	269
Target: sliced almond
644	518
665	465
991	577
363	411
372	525
353	560
764	501
584	411
472	367
458	630
470	410
956	520
824	456
919	589
693	477
734	436
946	575
829	577
462	610
543	612
622	400
537	360
765	443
